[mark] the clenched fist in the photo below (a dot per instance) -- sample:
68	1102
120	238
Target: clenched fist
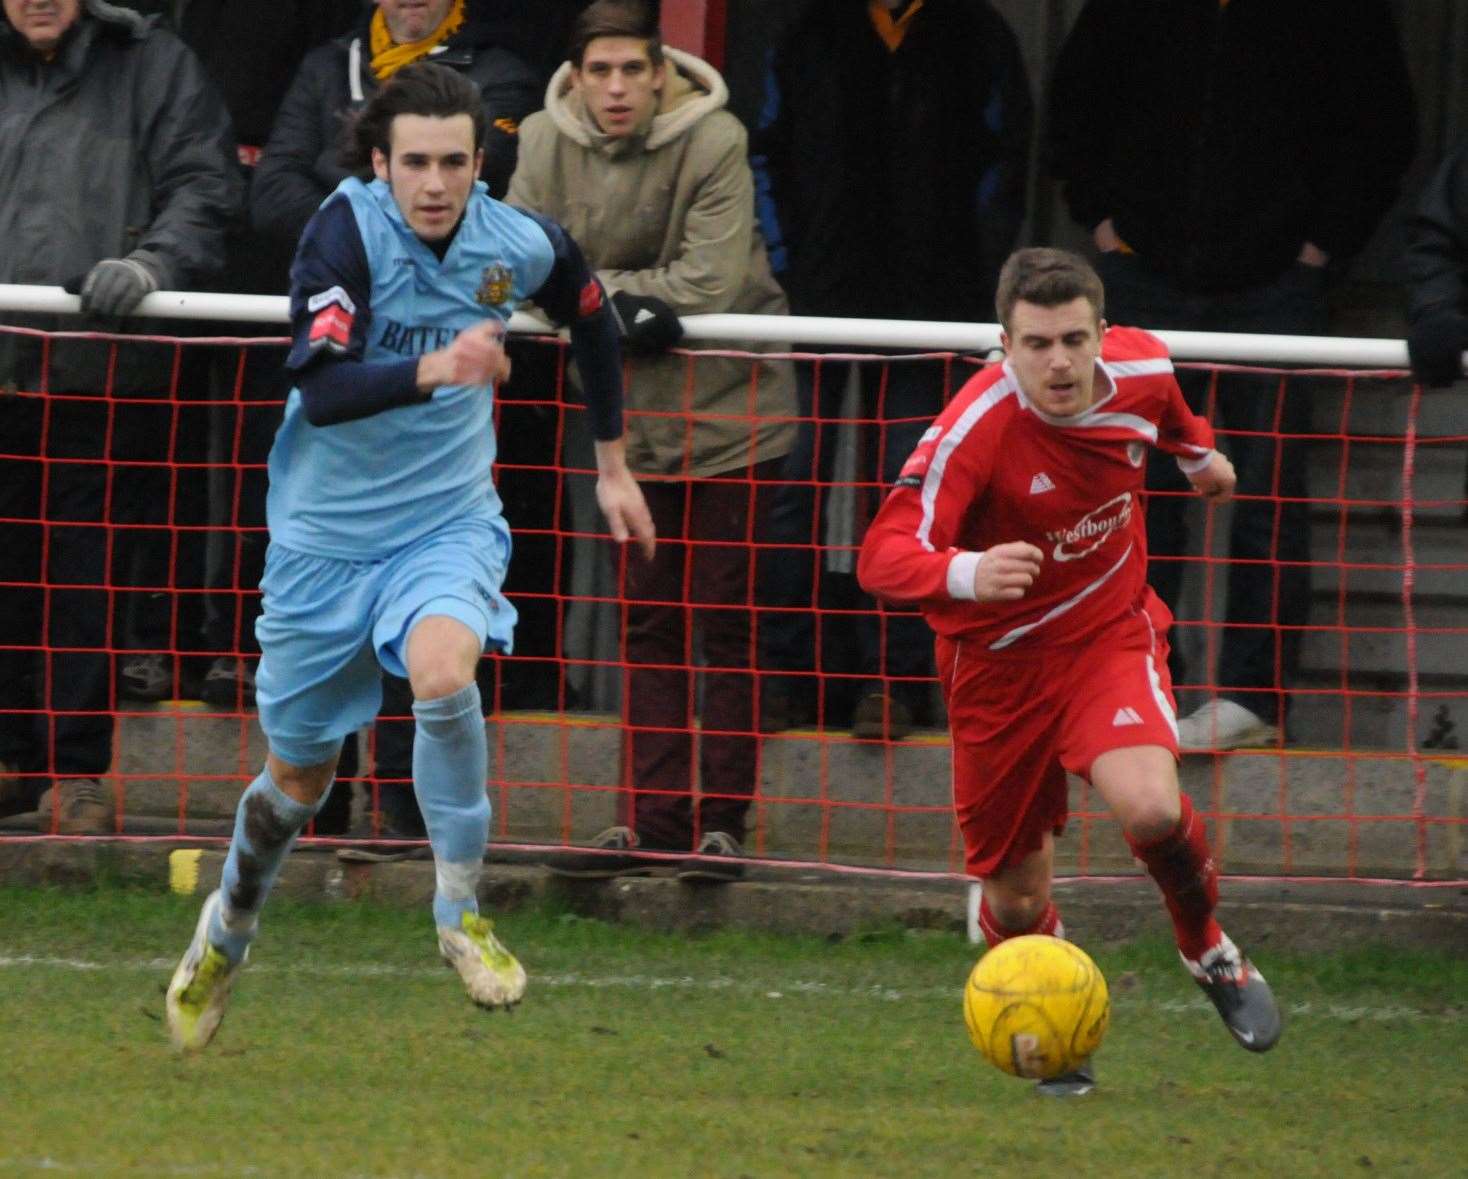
1005	572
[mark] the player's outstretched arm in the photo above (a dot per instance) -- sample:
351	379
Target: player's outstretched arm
1005	572
1216	480
476	357
621	499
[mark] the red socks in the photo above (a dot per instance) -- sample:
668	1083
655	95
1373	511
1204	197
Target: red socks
1048	923
1183	868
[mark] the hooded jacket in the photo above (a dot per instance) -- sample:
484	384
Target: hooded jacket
669	212
118	143
299	167
1219	139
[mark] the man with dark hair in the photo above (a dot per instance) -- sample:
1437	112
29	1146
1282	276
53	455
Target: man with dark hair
388	547
119	178
1017	527
670	230
1224	173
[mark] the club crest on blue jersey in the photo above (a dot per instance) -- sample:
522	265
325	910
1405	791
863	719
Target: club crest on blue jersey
495	285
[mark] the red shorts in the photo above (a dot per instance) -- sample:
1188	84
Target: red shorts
1020	720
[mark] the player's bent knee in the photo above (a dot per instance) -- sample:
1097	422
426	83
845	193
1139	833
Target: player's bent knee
439	680
305	784
1152	819
1016	908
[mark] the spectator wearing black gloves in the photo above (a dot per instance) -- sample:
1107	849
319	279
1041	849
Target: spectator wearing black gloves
119	179
1437	271
635	156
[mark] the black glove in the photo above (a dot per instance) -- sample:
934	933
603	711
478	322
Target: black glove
648	324
1436	344
117	285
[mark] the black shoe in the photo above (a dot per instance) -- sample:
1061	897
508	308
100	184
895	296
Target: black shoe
1241	995
718	860
146	678
229	683
612	853
1076	1083
879	717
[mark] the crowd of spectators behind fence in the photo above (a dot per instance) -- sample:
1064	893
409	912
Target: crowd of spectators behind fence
187	143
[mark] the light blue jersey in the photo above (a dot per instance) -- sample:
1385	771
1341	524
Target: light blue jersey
371	290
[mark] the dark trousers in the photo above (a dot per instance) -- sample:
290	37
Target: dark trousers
899	401
247	390
73	500
697	592
1261	422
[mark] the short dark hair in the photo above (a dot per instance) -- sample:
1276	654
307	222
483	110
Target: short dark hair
423	88
1047	278
615	18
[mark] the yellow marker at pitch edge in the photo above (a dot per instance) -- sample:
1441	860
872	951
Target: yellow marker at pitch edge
183	869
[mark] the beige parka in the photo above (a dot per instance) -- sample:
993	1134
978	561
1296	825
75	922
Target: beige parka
669	212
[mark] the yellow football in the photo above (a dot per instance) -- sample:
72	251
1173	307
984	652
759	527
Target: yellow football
1036	1006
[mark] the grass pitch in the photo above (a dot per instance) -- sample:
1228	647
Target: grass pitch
349	1051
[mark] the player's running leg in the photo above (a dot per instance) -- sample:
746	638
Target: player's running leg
1015	902
267	821
450	764
1166	835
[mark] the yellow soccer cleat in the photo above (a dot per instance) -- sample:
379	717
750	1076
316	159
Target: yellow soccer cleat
199	991
492	975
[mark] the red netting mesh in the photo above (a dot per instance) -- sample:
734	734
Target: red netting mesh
131	523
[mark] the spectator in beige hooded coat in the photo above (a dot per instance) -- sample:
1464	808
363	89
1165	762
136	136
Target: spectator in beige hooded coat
636	157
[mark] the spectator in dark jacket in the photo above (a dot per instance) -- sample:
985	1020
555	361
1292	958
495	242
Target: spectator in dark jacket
1225	157
1437	270
119	175
300	165
892	158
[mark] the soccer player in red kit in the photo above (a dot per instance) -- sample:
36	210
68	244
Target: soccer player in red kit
1017	526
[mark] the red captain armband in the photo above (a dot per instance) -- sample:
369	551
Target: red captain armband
331	326
590	300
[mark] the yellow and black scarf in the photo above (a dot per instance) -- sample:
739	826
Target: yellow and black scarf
388	57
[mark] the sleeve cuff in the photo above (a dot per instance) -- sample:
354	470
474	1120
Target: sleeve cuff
961	576
1193	466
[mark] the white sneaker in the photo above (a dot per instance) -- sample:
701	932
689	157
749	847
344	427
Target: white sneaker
1223	724
492	975
199	992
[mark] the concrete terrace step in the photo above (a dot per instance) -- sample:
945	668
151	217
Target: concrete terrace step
824	796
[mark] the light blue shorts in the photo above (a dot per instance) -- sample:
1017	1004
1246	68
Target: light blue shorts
328	624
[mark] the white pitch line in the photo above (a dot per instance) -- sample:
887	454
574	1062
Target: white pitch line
770	989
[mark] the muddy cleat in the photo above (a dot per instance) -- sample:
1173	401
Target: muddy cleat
1076	1083
1241	995
199	992
491	974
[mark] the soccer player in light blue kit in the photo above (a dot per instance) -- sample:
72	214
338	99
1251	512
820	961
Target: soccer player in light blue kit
387	541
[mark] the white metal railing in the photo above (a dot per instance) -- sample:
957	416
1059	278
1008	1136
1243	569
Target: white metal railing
910	335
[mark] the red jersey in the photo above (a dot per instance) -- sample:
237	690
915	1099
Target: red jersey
993	468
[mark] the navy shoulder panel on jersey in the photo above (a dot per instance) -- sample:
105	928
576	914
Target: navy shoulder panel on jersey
331	288
572	295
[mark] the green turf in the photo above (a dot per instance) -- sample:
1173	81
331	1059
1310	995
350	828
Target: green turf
349	1052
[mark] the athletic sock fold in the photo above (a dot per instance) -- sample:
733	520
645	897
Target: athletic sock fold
1047	924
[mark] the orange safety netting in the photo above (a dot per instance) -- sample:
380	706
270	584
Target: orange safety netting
747	664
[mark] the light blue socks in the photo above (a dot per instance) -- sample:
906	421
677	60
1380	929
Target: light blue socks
266	824
450	763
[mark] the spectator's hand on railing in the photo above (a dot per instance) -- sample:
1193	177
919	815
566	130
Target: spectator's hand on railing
115	286
620	499
1436	344
648	324
1216	480
1006	571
